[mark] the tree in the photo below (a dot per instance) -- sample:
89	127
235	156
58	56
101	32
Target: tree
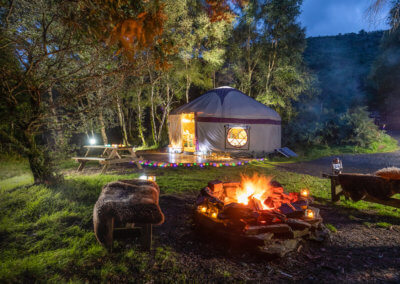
42	51
385	72
266	56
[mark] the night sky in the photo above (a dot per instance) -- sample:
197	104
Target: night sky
331	17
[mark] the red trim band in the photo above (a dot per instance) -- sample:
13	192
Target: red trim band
237	120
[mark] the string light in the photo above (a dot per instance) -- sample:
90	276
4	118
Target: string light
200	165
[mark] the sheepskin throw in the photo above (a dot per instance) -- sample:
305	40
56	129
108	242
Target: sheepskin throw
125	202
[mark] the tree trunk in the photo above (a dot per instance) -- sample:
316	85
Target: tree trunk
188	83
165	113
103	132
39	162
122	122
57	134
140	117
103	128
153	121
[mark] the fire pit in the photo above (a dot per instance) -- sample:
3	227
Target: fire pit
257	212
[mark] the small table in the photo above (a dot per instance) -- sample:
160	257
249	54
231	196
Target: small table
111	155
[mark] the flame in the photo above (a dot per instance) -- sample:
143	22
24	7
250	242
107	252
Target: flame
260	188
257	187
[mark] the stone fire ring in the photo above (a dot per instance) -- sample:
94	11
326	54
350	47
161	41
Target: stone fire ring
275	239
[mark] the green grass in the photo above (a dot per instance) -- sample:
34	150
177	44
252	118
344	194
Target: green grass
386	144
46	234
331	228
385	225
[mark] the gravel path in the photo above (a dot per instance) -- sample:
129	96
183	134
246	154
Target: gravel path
358	163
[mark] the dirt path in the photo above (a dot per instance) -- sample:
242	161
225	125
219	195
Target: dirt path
356	253
359	163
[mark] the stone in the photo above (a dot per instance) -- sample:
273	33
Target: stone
279	247
275	229
297	224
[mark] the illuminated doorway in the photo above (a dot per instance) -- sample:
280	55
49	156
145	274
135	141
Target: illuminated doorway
188	132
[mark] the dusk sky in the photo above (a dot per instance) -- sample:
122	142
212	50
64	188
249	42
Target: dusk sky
330	17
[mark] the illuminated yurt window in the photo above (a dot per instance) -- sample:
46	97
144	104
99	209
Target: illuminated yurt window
237	137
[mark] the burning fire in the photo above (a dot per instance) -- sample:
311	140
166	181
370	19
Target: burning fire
259	190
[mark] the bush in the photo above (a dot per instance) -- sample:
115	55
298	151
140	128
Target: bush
353	127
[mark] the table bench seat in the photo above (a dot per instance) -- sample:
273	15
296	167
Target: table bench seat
89	158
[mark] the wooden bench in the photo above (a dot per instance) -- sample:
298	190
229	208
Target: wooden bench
337	191
106	162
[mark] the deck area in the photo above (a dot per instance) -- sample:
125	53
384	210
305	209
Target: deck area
172	158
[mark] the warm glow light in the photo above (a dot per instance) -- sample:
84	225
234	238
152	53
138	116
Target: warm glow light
214	215
203	209
255	187
262	195
304	192
237	137
185	120
309	213
152	178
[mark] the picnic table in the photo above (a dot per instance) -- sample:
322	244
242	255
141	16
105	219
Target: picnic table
112	154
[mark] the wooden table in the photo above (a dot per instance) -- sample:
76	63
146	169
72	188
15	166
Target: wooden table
110	155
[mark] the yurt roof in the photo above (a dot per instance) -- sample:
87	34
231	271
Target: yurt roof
228	102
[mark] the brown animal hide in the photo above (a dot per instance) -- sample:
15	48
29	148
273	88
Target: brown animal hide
389	173
358	185
125	201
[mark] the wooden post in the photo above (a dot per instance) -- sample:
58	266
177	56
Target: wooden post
146	236
81	165
110	234
104	169
334	197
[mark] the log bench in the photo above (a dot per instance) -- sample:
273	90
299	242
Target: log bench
366	187
124	204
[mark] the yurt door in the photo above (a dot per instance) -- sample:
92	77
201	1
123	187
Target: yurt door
188	132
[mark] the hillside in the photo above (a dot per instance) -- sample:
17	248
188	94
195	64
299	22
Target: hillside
342	64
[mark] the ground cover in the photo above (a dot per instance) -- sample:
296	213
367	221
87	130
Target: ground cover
46	233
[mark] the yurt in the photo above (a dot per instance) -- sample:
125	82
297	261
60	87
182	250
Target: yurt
224	120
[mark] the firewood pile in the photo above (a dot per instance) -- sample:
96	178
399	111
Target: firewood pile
258	213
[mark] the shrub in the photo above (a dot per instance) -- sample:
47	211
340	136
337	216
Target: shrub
354	127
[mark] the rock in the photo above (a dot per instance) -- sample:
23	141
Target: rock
279	247
123	202
275	229
302	233
297	224
236	211
217	187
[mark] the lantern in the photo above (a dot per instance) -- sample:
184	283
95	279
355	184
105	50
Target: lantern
309	213
304	193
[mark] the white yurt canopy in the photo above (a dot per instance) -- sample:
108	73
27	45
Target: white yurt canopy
225	120
228	102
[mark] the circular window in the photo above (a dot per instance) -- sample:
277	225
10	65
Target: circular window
237	137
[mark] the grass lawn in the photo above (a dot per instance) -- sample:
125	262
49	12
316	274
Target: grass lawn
386	144
46	234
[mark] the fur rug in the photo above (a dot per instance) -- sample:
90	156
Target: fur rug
123	202
389	173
